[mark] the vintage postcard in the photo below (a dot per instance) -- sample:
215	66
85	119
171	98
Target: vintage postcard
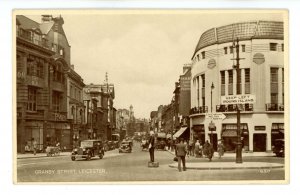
151	96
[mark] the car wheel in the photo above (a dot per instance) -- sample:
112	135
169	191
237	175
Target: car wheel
73	158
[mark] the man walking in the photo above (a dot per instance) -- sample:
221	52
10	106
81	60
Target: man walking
151	146
181	150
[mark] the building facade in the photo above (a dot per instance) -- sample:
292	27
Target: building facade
214	77
41	86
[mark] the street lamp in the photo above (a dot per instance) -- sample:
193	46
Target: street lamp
211	125
238	91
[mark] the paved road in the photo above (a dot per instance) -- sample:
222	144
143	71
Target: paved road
132	167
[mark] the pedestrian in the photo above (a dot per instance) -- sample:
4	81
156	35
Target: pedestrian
151	146
191	151
34	145
210	151
205	148
221	149
197	149
181	150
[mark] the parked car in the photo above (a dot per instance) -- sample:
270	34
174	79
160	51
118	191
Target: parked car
161	141
125	147
278	147
88	149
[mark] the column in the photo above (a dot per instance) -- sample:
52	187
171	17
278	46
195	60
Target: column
280	100
250	141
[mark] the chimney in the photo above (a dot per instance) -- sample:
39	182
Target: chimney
46	18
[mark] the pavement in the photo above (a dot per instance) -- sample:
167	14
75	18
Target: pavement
220	165
40	155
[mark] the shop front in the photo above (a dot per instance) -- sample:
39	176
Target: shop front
199	133
277	132
229	136
33	132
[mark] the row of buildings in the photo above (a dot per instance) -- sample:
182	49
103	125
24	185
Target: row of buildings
52	102
212	77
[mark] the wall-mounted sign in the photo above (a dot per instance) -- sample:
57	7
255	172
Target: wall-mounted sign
259	128
215	116
238	99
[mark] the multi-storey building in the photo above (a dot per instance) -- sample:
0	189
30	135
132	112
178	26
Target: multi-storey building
213	77
104	113
75	105
41	85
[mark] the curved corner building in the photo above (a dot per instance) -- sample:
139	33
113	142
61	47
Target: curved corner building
261	47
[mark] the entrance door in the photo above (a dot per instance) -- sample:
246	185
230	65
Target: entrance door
259	142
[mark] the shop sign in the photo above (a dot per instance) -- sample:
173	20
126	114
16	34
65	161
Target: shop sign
58	116
215	116
259	128
238	99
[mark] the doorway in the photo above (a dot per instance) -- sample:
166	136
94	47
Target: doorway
259	142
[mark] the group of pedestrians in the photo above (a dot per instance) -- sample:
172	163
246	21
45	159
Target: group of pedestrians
195	149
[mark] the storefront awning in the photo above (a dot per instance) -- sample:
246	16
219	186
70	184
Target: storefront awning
229	133
180	132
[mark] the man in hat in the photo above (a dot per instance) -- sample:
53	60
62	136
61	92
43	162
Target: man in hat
151	146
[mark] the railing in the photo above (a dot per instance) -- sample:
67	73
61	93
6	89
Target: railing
274	107
199	110
233	108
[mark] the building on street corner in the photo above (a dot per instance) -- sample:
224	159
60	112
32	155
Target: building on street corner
214	85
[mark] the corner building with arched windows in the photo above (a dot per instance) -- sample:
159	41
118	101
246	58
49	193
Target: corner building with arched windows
261	49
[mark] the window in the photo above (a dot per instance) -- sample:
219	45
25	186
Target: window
231	49
203	89
274	85
32	98
40	69
198	91
203	54
239	82
243	48
71	91
282	47
203	80
247	81
283	86
56	97
230	82
58	75
222	82
273	46
225	50
198	57
54	47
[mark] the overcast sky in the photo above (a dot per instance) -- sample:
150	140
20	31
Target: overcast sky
142	53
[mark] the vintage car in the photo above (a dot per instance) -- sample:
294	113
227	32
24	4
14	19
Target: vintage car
88	149
278	147
161	141
126	146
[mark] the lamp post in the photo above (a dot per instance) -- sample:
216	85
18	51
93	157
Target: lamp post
238	91
211	125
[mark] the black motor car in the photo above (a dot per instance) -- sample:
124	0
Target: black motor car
88	149
126	146
278	147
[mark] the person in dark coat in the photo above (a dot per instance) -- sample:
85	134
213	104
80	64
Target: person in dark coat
151	146
181	150
210	151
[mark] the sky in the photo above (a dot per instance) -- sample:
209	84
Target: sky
142	51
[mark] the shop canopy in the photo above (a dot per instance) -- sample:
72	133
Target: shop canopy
180	132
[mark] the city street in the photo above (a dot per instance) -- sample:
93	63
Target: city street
123	167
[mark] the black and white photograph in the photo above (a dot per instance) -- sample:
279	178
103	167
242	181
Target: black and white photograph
151	96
